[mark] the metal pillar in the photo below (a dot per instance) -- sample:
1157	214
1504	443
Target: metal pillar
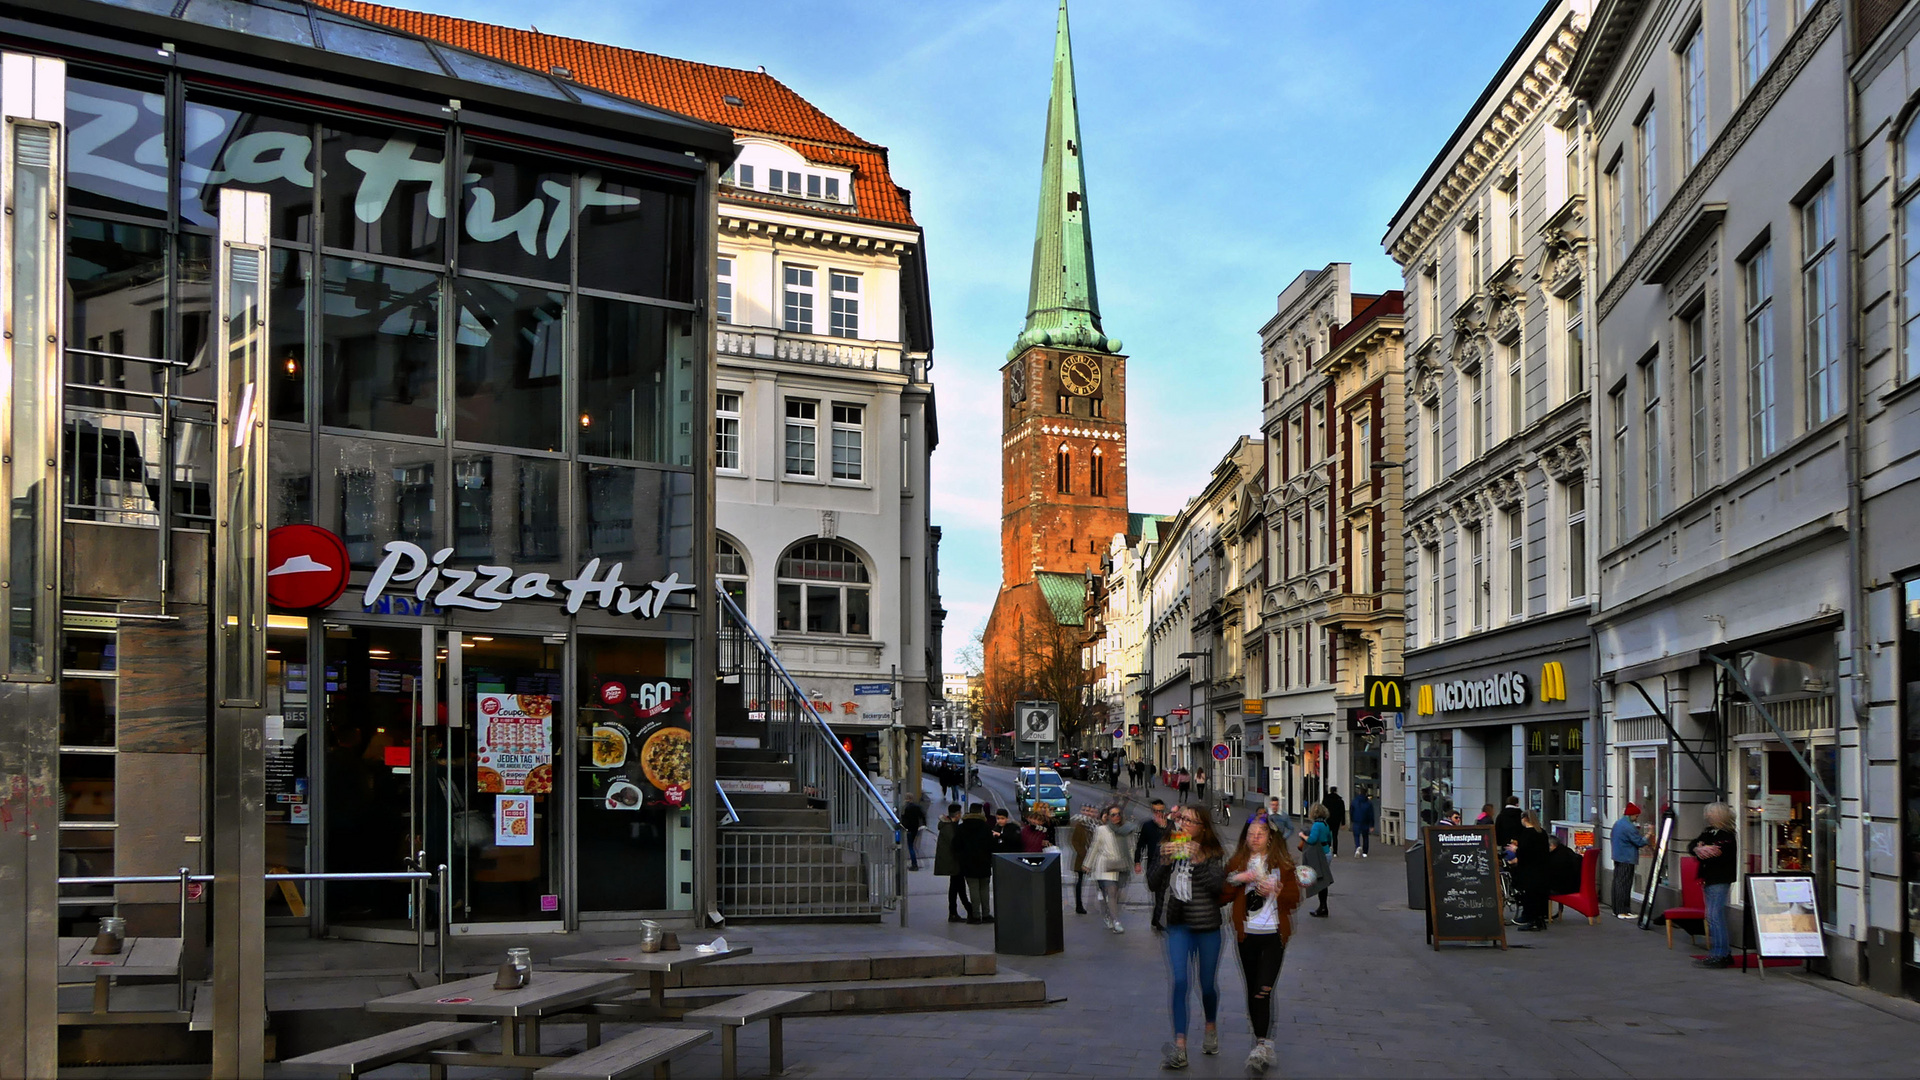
32	282
239	764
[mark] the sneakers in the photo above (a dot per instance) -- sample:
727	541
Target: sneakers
1116	928
953	917
1624	915
1173	1056
1261	1059
1210	1042
1715	962
1318	914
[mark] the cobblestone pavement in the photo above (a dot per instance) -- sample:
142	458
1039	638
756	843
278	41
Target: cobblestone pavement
1363	995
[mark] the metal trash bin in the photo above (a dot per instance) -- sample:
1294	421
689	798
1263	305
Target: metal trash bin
1026	904
1417	877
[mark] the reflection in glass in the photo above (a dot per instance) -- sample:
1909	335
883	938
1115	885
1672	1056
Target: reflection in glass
516	212
495	492
376	492
84	650
33	297
229	145
244	621
117	313
380	328
627	386
86	787
509	350
88	708
629	231
287	337
631	850
635	516
384	192
290	475
116	159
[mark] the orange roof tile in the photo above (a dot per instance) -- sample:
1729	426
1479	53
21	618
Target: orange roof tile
768	107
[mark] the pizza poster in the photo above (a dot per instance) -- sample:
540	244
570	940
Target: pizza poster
513	821
642	742
515	743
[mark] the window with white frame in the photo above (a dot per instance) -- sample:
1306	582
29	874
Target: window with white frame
1820	300
1363	557
799	294
743	175
1473	420
1467	257
1693	97
1430	581
1363	444
848	437
1516	390
803	437
1429	299
1615	193
723	288
906	454
1755	53
1477	582
1296	446
823	588
1646	166
1652	423
1699	401
1319	433
1506	204
731	568
1907	287
1432	448
1573	501
843	317
1296	545
1516	583
1763	431
1617	415
1573	178
726	431
1573	351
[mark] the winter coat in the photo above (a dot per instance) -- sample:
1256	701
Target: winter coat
973	846
1336	809
913	818
1201	913
1082	838
1108	857
1363	815
1032	839
1723	868
1506	826
1530	869
945	862
1146	849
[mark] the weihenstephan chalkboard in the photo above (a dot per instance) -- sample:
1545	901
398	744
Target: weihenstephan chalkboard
1463	885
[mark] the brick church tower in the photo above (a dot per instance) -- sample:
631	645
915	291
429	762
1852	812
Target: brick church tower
1063	448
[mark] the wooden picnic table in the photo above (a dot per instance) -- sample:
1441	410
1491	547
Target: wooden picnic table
152	956
657	965
549	992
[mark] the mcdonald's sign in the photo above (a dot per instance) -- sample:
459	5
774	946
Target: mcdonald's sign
1385	693
1553	681
1424	705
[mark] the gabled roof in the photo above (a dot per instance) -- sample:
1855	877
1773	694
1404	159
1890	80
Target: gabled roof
1146	526
1066	594
767	106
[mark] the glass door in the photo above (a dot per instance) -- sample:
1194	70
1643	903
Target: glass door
375	696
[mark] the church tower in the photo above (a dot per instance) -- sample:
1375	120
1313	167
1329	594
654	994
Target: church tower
1063	448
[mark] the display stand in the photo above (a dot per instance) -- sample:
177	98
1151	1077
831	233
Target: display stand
1463	885
1782	918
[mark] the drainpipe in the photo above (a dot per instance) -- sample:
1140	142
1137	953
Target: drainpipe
1861	693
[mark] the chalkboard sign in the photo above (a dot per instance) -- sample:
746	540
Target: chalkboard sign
1463	885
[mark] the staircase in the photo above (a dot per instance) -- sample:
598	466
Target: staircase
811	837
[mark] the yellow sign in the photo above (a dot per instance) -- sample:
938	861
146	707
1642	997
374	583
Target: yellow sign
1385	693
1553	681
1274	732
1159	721
1424	706
1253	706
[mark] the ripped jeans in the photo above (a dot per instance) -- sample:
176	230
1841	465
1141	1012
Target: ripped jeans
1260	959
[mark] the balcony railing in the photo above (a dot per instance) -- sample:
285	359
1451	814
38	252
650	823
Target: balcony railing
805	349
135	448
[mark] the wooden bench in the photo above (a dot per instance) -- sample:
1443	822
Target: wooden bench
625	1056
355	1058
735	1013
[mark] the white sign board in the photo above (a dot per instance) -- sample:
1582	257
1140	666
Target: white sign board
513	821
1786	915
1039	721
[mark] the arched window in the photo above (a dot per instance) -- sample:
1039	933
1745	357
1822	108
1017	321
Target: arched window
731	568
823	587
1097	479
1063	470
1908	228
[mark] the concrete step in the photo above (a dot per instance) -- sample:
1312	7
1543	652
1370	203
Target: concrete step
767	800
753	770
761	971
752	818
1001	990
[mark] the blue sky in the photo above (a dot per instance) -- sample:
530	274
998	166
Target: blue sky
1229	146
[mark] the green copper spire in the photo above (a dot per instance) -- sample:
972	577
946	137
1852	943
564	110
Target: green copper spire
1063	307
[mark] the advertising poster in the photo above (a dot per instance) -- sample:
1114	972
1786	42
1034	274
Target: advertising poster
1786	918
513	821
641	740
515	743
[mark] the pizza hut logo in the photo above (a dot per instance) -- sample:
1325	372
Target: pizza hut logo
490	705
613	693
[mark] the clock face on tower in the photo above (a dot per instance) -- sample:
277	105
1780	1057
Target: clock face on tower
1080	375
1017	383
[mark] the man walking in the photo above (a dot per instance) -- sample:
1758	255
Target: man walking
913	818
973	846
1627	842
1336	817
1363	815
946	864
1146	856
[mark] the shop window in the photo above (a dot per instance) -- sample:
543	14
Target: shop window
509	349
287	336
823	589
636	236
515	215
380	339
111	122
378	491
630	389
378	191
641	849
493	492
233	144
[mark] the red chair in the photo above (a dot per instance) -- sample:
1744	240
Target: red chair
1587	900
1693	899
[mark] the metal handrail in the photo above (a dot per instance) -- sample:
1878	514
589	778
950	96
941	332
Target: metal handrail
733	816
821	727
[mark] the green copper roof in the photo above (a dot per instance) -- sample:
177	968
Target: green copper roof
1066	594
1063	306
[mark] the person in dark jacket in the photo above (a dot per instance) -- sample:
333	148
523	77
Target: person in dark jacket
946	863
1564	867
1336	816
1033	835
1146	856
1194	875
1363	820
1506	824
913	818
1006	835
1717	849
1531	873
1081	836
973	847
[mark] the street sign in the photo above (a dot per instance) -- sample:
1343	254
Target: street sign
1220	751
868	689
1179	712
1039	721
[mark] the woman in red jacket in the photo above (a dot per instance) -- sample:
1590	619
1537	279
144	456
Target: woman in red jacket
1263	889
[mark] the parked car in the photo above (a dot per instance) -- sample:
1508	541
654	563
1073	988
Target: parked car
1044	785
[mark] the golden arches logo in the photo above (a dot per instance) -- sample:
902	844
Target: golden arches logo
1553	681
1385	694
1424	703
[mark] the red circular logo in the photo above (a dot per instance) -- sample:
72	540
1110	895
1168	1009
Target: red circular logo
613	693
490	705
306	567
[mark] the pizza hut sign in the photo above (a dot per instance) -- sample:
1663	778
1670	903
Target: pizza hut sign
487	588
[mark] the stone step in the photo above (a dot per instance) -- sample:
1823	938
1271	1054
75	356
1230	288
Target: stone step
753	770
782	818
759	971
768	800
1000	990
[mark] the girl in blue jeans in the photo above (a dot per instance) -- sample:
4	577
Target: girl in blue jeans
1717	848
1193	873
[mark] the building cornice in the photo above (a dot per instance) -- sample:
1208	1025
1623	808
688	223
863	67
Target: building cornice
821	232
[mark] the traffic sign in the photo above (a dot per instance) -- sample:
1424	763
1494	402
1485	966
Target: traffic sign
1039	721
1220	751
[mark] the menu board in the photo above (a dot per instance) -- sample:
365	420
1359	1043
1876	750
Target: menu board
1785	914
639	743
1463	885
515	743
